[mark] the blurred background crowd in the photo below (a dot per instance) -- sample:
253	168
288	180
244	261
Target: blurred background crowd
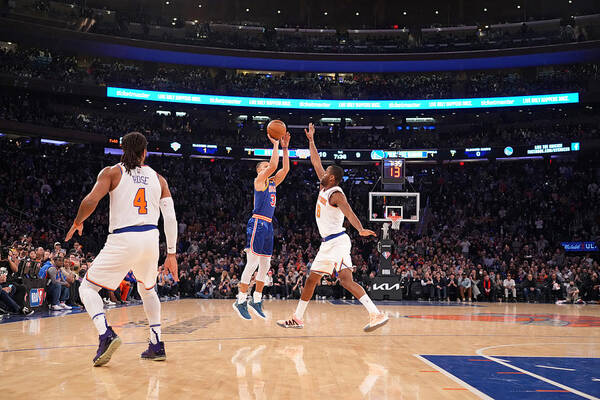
485	230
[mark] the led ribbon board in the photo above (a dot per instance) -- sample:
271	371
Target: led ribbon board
441	104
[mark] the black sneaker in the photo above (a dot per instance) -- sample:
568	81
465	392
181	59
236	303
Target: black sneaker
109	343
26	311
155	352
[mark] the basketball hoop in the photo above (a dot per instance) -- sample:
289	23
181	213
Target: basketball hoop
396	219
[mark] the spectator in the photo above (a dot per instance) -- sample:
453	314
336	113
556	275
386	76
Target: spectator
465	287
510	287
427	287
57	288
11	296
487	290
573	294
453	292
530	289
440	284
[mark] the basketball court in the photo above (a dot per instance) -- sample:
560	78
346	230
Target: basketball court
427	351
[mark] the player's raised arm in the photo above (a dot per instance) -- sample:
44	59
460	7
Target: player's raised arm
339	200
90	202
282	173
261	179
167	209
315	159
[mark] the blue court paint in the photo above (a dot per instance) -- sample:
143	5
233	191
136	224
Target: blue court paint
586	369
406	303
500	382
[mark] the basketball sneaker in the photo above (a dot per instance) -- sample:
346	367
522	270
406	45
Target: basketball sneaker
155	352
26	311
257	308
291	323
109	343
242	310
376	321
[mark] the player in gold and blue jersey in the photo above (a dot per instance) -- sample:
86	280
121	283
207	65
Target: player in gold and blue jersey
259	231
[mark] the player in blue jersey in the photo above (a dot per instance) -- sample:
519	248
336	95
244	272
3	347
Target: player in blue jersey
259	231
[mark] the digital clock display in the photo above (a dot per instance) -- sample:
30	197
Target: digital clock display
392	170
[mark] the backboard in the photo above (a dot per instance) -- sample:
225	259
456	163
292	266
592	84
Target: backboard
405	204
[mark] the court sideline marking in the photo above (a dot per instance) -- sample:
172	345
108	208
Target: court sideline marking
470	388
532	374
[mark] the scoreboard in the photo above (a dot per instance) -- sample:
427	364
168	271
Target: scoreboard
392	170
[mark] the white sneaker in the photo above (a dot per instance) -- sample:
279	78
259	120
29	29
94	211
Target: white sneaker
376	321
293	322
56	307
65	307
110	303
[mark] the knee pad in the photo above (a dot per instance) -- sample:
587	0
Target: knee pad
264	264
252	262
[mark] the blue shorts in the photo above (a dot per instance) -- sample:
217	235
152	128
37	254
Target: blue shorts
259	236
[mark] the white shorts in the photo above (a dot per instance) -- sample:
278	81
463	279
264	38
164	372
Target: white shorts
135	251
333	255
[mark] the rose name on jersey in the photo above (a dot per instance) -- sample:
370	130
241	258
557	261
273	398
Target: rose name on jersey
140	179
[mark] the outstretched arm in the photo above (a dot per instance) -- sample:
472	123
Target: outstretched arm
260	183
90	202
282	173
315	159
338	199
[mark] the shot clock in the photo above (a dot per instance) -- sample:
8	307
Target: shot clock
392	171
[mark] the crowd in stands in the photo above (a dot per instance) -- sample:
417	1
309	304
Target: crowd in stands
211	128
175	29
489	232
44	64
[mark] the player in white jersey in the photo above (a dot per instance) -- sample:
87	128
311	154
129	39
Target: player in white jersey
334	253
138	195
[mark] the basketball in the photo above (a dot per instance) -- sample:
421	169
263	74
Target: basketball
276	129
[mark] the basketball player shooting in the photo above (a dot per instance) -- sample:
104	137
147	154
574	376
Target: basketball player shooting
138	195
259	231
334	252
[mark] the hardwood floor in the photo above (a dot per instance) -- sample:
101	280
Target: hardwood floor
213	354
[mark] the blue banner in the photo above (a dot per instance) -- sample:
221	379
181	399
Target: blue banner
259	102
579	246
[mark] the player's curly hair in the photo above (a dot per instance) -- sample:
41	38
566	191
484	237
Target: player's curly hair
133	145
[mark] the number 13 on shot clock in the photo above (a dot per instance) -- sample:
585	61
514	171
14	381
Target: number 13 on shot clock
392	170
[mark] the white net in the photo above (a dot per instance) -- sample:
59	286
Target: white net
396	220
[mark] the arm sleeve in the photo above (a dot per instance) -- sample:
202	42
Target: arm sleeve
167	208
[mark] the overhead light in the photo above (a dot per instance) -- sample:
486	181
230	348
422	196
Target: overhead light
325	13
518	6
175	146
278	11
166	2
436	12
357	14
247	10
485	10
404	13
174	19
199	5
